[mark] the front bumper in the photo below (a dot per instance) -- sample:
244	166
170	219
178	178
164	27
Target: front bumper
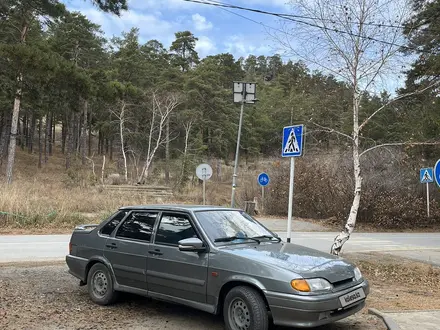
312	311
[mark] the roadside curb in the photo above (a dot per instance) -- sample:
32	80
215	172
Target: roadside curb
389	322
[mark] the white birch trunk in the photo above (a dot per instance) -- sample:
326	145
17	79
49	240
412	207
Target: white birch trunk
13	137
167	152
15	115
121	134
351	221
187	127
146	166
103	169
344	235
163	106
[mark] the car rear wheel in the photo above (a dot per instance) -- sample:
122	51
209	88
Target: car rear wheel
244	309
100	285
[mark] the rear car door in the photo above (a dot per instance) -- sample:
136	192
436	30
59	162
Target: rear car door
127	248
172	272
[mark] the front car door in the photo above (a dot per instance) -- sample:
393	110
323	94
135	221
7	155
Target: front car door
171	272
127	248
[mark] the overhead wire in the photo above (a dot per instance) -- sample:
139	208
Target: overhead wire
294	18
260	11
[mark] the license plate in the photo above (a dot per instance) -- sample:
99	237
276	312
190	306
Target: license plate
352	297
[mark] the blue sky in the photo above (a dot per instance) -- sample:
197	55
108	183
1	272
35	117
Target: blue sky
218	31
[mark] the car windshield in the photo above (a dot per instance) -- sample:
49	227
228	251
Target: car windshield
236	225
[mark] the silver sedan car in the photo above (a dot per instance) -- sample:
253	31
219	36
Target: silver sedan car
219	260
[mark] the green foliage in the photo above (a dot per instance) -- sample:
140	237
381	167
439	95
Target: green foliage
113	6
65	60
183	50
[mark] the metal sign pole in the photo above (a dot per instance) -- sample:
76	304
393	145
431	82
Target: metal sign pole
427	198
292	146
234	177
262	199
289	219
204	172
204	192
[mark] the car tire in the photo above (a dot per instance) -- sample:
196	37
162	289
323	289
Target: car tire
100	285
244	308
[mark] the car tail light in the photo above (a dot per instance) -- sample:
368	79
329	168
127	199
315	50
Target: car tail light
70	247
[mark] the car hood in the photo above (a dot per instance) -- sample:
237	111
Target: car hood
299	259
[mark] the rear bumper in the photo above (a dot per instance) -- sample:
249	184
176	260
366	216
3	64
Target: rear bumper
312	311
77	266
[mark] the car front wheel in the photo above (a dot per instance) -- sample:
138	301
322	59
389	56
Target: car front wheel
100	285
244	309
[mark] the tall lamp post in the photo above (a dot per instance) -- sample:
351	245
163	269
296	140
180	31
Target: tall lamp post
244	92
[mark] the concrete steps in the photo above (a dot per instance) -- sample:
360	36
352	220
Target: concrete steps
153	191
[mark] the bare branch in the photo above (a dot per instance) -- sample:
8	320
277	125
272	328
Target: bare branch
399	144
399	97
331	130
163	105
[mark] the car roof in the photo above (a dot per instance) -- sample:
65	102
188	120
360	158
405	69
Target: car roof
177	207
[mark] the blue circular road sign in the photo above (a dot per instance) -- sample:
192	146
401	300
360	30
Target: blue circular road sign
263	179
437	173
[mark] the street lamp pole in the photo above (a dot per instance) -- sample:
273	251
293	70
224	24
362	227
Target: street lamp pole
234	176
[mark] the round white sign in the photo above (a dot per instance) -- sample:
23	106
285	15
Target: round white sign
204	172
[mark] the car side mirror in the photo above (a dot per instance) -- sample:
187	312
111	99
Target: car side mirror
191	245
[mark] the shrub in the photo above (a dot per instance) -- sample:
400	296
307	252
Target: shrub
392	196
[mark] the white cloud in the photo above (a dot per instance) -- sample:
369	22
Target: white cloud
201	23
239	45
162	4
150	26
205	46
185	5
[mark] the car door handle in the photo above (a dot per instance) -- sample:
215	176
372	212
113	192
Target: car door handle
111	246
155	252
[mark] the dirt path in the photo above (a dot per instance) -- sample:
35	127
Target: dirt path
47	297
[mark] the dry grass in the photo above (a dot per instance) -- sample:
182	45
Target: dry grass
55	199
399	284
51	197
44	204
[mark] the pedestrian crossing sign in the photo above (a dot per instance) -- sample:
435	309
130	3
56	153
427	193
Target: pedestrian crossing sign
292	141
426	175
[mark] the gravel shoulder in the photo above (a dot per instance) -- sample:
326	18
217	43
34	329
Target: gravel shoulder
44	296
47	297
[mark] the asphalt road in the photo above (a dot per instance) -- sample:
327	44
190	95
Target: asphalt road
420	246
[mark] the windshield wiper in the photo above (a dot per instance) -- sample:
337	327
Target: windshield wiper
233	238
268	236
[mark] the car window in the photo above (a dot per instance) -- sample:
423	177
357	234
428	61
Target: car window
230	223
113	223
173	228
138	225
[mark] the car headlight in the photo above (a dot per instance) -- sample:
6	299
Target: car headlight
357	274
311	285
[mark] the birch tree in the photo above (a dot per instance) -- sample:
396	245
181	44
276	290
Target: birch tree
121	115
163	104
359	42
